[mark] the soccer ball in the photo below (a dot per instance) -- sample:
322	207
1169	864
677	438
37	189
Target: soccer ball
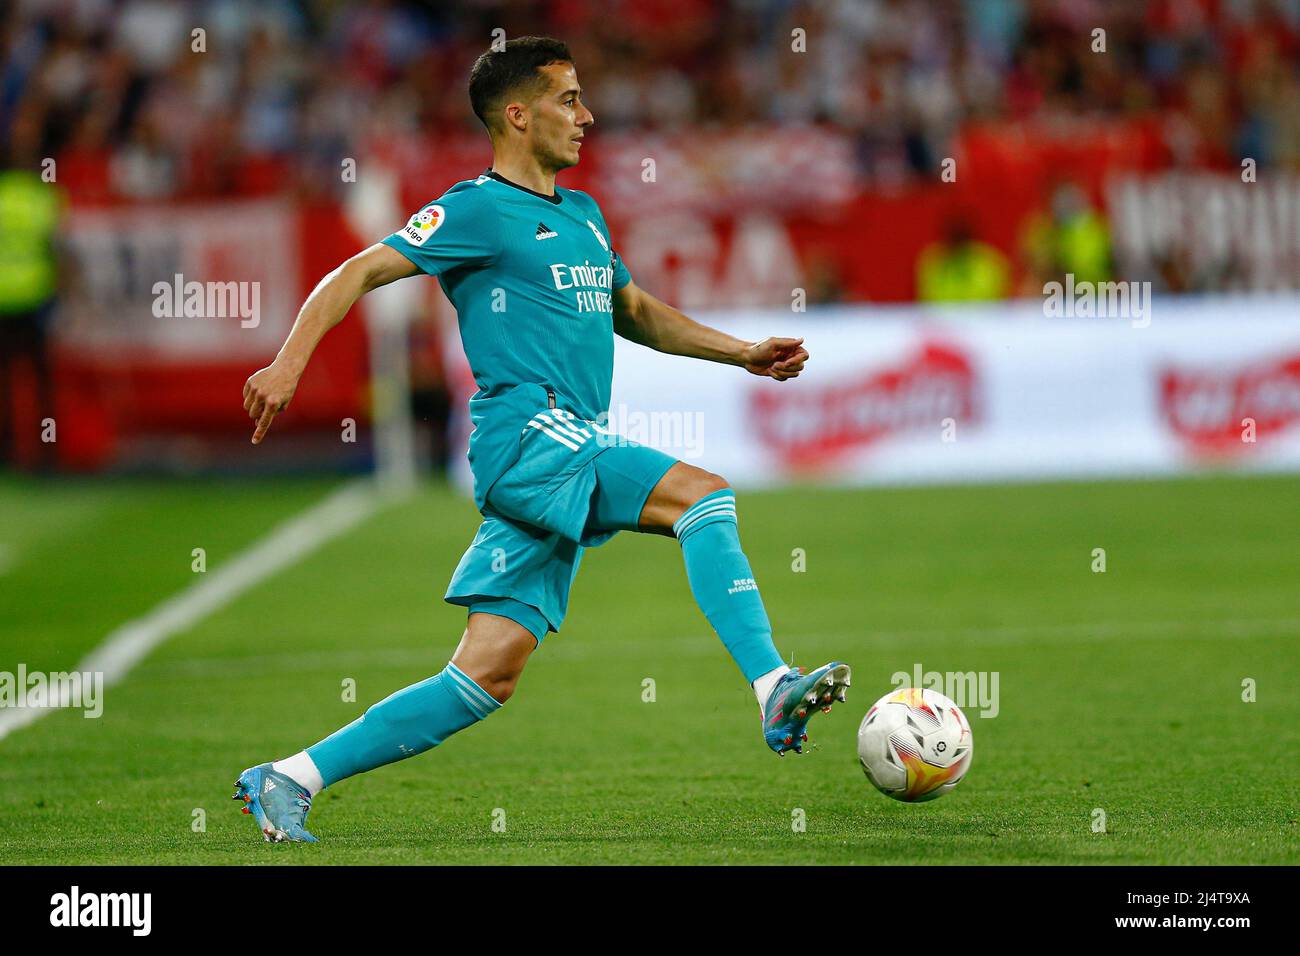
915	744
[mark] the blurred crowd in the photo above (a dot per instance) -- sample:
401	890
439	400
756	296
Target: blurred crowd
133	102
834	118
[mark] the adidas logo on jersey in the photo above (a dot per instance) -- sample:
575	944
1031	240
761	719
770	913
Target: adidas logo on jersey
544	233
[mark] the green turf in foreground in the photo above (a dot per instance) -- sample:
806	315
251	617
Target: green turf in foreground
1119	691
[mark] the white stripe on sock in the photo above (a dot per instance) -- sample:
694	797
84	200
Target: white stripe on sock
462	695
701	506
702	519
468	685
459	689
684	524
485	699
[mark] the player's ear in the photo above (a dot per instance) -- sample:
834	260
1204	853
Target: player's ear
517	116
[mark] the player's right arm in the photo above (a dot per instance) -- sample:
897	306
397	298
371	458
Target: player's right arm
268	391
460	230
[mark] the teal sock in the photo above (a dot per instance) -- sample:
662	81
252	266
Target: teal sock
409	722
723	583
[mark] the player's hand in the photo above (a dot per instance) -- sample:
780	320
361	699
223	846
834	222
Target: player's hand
266	394
776	358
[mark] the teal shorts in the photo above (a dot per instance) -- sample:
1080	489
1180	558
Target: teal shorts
573	486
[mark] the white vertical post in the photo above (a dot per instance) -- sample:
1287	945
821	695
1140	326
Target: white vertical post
372	208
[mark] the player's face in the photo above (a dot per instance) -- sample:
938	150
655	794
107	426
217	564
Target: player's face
559	118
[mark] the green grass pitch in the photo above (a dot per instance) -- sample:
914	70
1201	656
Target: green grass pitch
1120	691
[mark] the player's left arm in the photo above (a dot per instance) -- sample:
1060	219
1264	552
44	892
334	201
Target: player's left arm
641	318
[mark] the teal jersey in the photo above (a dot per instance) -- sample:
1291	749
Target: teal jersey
531	278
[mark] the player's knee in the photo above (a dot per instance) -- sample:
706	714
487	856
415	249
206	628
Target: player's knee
498	682
500	688
679	491
703	484
493	653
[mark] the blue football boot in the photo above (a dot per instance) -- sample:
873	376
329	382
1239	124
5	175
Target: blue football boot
795	699
276	802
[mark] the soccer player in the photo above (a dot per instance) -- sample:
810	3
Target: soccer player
539	293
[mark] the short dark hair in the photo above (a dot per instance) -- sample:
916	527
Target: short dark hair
499	73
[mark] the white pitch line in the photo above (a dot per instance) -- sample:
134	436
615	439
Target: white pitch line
287	544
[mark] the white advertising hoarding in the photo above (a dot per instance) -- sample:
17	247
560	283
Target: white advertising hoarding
999	392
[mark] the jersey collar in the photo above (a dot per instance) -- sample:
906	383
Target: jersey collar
493	174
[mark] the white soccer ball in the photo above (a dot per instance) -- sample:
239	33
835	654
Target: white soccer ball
915	744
